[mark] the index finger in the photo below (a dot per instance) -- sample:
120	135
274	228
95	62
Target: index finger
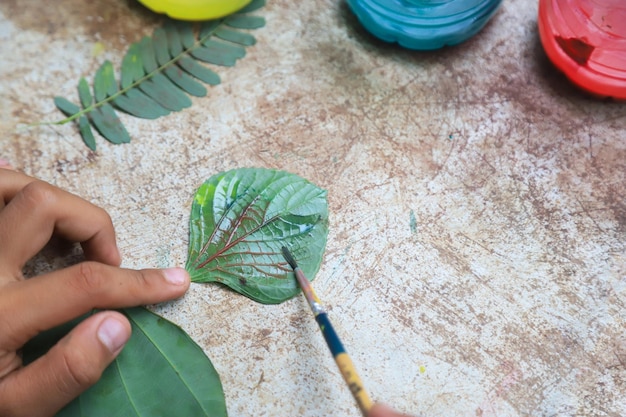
11	182
4	165
40	303
35	210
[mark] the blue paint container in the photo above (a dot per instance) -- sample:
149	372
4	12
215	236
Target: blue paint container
424	24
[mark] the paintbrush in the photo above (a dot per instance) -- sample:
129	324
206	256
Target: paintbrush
348	371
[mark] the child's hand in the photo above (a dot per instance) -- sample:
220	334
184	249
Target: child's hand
31	211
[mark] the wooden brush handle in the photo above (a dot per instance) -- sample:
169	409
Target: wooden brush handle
345	364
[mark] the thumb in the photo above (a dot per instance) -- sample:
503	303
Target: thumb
74	364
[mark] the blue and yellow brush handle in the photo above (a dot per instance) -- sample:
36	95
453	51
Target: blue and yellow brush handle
348	371
346	367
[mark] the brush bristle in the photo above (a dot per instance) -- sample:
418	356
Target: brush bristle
289	257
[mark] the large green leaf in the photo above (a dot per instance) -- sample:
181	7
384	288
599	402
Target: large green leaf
160	373
239	221
159	73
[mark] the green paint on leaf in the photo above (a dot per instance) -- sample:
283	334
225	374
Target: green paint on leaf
160	372
104	82
159	73
132	67
239	221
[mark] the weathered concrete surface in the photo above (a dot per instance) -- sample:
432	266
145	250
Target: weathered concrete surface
476	259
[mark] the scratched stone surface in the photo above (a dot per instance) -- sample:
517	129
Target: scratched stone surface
476	258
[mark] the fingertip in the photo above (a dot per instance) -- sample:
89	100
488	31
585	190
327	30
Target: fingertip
113	332
376	410
177	276
115	256
380	410
102	245
5	164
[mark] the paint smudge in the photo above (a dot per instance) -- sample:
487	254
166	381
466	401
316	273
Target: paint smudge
412	222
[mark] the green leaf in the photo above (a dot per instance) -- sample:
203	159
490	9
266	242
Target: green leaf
207	29
229	50
186	36
161	48
86	133
71	109
138	104
104	82
242	218
109	125
252	7
174	41
234	36
84	94
184	81
146	51
159	73
160	372
245	22
66	106
199	71
161	90
219	53
132	67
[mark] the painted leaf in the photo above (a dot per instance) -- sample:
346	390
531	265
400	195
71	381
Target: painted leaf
239	221
159	73
160	372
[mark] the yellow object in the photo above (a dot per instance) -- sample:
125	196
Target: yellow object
195	9
348	371
97	49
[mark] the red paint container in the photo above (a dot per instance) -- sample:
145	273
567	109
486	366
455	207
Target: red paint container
586	39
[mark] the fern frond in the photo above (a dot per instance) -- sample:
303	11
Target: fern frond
159	73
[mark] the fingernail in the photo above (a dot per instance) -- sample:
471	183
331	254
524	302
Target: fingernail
112	333
176	276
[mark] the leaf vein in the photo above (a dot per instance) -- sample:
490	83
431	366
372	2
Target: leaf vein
167	358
